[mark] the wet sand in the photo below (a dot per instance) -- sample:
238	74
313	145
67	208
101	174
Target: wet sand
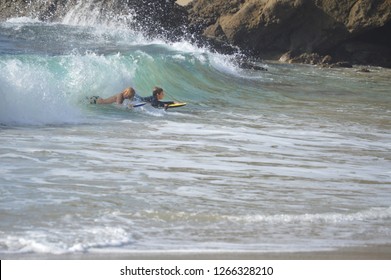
378	252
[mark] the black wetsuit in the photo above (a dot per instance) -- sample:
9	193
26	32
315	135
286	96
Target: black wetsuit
154	101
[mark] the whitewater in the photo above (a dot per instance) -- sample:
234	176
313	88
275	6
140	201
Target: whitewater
295	158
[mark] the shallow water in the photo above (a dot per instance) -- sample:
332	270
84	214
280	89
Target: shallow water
293	159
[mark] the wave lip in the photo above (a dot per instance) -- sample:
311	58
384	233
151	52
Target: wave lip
325	218
53	243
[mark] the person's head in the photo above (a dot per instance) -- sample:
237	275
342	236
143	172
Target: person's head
158	93
129	93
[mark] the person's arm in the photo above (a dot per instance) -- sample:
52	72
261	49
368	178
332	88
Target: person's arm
109	100
119	98
164	104
161	104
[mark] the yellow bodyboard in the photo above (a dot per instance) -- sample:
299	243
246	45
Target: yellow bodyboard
175	105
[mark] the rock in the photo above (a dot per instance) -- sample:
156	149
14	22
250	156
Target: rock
327	59
271	28
286	57
306	58
366	53
341	64
251	65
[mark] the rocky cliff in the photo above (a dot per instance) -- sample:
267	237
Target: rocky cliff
311	31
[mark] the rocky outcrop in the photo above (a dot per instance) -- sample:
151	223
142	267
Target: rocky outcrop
307	31
354	30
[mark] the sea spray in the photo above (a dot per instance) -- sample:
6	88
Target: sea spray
95	13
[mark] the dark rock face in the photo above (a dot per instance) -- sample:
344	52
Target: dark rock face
308	31
354	30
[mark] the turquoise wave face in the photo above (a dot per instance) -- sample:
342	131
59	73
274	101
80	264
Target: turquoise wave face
40	88
47	70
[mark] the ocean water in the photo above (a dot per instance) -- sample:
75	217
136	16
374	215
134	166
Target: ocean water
296	158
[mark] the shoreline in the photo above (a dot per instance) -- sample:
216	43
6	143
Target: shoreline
370	252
